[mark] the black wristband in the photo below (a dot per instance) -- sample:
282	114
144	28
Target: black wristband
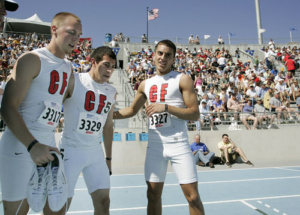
166	107
31	145
108	159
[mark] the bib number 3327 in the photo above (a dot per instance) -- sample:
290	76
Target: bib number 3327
159	120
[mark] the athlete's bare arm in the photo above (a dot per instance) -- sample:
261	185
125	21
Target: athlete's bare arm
26	69
191	112
108	131
135	106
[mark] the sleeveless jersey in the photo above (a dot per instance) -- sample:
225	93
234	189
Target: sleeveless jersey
41	108
164	126
86	111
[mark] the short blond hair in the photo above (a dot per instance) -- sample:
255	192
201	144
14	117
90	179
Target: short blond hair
59	18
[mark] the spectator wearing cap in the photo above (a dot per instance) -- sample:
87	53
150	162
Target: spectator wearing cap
281	87
276	106
262	114
264	89
220	40
191	39
251	93
247	114
205	115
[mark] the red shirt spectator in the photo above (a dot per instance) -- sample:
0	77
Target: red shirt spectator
290	64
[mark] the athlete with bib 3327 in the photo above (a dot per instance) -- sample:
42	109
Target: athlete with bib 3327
31	108
172	100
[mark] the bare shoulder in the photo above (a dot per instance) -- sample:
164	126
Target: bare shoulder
29	64
186	82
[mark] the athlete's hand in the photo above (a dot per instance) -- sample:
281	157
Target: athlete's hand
155	108
40	153
108	163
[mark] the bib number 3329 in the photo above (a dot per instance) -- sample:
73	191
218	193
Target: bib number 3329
89	123
159	120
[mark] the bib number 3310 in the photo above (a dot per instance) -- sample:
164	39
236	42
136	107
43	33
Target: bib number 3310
159	120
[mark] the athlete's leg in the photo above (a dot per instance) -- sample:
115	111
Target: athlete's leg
154	192
47	210
18	207
101	201
192	196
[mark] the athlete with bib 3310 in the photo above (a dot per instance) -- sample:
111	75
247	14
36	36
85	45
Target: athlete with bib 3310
31	108
172	100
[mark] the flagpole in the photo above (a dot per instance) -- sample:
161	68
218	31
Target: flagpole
229	38
204	39
291	38
147	24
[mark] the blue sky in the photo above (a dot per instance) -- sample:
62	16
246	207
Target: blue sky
177	18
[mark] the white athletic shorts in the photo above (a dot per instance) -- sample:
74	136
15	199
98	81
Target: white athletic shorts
89	161
16	165
181	158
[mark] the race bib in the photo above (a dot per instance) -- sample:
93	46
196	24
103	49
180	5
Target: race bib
89	123
159	120
51	114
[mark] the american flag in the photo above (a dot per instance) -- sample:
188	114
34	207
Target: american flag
153	14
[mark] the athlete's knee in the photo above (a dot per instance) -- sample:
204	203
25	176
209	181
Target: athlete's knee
102	204
153	195
193	199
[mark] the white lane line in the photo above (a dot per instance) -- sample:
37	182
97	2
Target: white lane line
260	202
215	170
181	205
293	170
276	210
268	206
249	205
207	182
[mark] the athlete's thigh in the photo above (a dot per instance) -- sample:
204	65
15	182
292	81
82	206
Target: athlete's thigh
96	173
156	164
183	164
14	176
74	161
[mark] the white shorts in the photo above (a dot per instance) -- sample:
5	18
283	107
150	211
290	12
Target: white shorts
89	161
16	165
180	156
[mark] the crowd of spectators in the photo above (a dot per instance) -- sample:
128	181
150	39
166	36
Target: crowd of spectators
229	88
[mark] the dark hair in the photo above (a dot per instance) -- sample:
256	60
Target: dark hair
224	135
167	43
99	52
